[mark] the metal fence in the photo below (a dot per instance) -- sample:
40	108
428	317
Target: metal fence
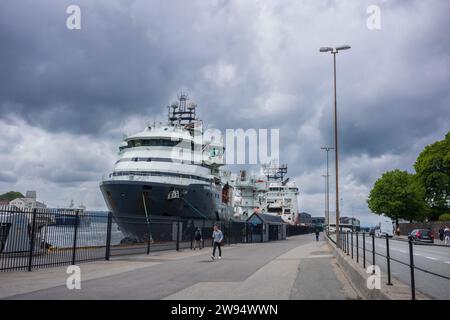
349	243
38	238
292	230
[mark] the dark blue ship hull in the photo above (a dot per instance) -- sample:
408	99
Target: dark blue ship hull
133	203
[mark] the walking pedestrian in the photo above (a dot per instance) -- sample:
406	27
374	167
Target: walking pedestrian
217	238
446	235
441	234
198	239
317	234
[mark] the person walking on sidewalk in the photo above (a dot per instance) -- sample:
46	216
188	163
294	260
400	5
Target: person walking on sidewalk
446	235
197	239
441	233
217	238
317	234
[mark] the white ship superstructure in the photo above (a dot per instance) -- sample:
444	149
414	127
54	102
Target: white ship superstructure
269	193
169	170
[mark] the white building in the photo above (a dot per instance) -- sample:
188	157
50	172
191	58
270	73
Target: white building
28	203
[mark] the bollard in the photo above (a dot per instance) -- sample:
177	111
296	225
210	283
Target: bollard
364	250
357	247
373	252
108	237
33	227
411	266
388	261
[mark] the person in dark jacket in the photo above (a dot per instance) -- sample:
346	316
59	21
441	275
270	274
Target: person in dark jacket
441	234
317	234
198	239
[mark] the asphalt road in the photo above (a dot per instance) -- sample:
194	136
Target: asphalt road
431	258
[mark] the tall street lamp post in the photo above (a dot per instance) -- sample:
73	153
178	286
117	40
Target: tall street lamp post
327	191
334	51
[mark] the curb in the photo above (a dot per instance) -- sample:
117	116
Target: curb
358	277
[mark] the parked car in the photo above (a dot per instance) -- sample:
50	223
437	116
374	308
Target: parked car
421	235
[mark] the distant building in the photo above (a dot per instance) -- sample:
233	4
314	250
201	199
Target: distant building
304	218
317	220
350	222
29	202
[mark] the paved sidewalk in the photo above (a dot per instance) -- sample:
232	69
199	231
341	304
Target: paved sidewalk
298	268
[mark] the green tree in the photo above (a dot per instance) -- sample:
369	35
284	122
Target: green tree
433	171
398	195
11	195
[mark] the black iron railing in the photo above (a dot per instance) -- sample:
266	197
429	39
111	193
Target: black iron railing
347	244
40	238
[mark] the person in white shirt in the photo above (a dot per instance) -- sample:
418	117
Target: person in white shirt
217	238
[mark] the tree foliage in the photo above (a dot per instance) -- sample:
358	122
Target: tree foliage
433	171
11	195
444	217
398	195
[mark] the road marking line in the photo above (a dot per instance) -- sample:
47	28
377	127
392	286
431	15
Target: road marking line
431	258
447	262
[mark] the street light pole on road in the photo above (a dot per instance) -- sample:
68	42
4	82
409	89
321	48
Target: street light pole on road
327	191
326	206
334	51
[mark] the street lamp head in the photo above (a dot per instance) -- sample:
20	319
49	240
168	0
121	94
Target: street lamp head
345	47
326	49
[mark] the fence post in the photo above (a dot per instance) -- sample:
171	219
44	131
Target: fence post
357	247
229	233
108	237
348	244
388	260
351	243
344	238
149	237
411	266
75	234
364	250
203	230
178	236
373	252
33	231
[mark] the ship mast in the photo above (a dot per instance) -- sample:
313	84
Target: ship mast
182	112
275	173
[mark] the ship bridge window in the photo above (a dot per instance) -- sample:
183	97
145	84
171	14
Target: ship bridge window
159	143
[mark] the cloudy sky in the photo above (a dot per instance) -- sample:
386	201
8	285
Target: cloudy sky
68	96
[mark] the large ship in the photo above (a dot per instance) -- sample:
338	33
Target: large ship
268	192
169	170
282	194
